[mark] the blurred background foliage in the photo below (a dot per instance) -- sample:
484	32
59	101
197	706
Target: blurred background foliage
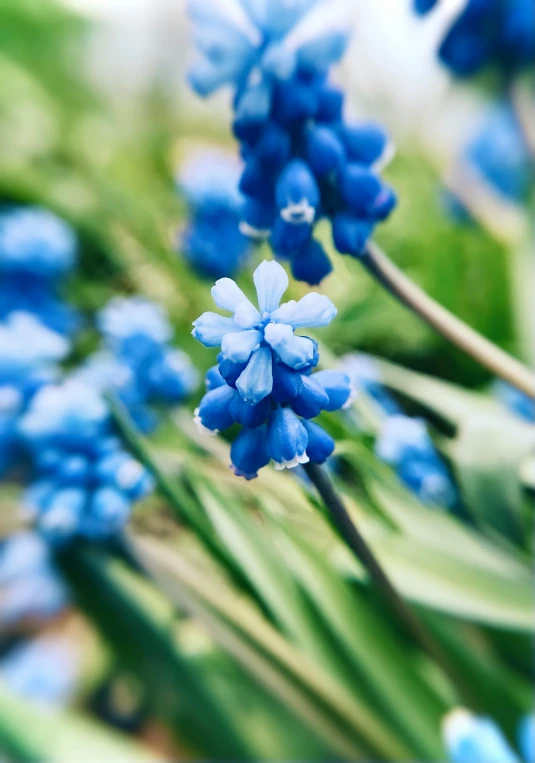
263	642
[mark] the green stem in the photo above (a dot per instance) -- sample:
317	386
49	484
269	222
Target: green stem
363	553
498	362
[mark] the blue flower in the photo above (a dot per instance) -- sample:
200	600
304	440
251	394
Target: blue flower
44	670
473	739
302	161
83	482
140	365
31	588
405	443
488	33
248	44
260	338
263	381
515	400
212	241
36	250
28	355
35	242
366	376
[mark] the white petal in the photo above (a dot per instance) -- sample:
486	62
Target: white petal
313	310
271	282
227	295
240	346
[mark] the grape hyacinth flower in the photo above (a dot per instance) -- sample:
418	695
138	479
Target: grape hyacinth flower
84	482
487	33
212	242
515	400
37	250
402	441
30	588
139	362
44	670
473	739
303	161
263	381
29	352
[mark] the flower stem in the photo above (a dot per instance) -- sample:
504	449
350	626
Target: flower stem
452	328
355	541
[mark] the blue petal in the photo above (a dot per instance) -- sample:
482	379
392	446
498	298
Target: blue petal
108	512
213	414
360	189
250	416
288	239
470	739
62	516
320	444
213	379
248	452
350	234
256	382
295	351
338	387
310	400
526	738
286	439
271	282
366	143
313	311
287	383
230	371
324	151
330	104
227	295
311	265
239	347
210	328
297	193
274	145
280	62
320	54
255	103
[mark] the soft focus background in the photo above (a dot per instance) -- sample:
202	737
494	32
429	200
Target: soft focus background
265	632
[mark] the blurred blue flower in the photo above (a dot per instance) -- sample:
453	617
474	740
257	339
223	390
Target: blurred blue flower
264	380
29	585
45	670
403	442
515	400
37	249
35	242
212	241
488	33
249	43
28	354
498	152
473	739
139	364
302	161
84	482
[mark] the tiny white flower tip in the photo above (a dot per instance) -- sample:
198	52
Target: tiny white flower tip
456	724
298	213
386	157
58	519
257	233
200	426
280	465
128	474
353	394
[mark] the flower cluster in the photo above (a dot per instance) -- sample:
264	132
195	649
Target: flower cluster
488	33
30	588
84	482
402	441
138	361
212	242
303	161
29	352
473	739
263	381
37	250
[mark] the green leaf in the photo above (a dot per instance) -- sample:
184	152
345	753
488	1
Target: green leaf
303	685
488	454
143	642
31	733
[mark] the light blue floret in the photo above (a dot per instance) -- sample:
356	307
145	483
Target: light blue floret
472	739
264	336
